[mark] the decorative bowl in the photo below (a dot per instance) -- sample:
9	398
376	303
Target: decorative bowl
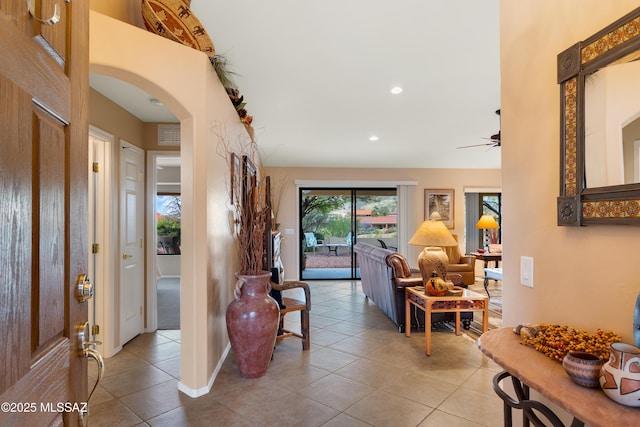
583	368
174	20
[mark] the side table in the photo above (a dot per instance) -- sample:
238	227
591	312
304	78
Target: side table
487	257
468	301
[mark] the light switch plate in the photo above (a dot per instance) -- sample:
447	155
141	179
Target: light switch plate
288	231
526	271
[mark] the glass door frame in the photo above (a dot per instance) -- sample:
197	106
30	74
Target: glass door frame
353	195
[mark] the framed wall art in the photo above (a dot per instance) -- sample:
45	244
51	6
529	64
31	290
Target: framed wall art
440	201
249	179
236	177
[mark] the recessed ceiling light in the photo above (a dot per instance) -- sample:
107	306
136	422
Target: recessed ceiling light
373	138
396	90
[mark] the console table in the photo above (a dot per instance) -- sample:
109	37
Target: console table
468	301
534	369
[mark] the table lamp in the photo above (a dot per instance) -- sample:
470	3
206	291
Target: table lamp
487	222
434	235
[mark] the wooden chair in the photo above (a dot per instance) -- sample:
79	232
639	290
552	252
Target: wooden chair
290	305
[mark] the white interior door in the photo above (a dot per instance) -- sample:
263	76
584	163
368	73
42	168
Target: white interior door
131	241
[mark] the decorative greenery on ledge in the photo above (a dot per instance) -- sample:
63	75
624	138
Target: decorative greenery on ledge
225	75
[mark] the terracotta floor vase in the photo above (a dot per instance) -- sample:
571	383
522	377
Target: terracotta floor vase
252	324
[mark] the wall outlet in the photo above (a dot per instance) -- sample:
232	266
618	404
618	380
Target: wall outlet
526	271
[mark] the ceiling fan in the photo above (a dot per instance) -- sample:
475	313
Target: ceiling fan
494	140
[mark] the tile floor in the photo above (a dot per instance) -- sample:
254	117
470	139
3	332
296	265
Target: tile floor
359	372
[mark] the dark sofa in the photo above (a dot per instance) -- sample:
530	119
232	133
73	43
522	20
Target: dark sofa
385	274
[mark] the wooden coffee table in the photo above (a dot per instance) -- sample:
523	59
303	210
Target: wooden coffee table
468	301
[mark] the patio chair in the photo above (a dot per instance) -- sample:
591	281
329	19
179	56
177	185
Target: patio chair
311	241
384	245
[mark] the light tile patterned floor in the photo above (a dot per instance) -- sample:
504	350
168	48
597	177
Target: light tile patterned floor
360	371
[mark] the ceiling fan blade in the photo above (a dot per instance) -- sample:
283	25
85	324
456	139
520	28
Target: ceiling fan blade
477	145
494	140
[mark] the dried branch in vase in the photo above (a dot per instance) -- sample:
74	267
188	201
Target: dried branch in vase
251	213
251	231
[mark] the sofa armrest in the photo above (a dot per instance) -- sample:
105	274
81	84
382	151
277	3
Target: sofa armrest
407	282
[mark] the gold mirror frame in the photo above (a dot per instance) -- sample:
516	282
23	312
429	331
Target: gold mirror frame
578	205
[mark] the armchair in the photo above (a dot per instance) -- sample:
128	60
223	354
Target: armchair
465	265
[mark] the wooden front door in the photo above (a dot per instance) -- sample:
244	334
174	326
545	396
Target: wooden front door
43	207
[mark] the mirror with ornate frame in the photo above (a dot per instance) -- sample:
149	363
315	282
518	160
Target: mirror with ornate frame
579	204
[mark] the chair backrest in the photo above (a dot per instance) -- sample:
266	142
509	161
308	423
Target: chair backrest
382	244
453	252
310	239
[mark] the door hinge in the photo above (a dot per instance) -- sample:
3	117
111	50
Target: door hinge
95	248
95	330
95	167
140	310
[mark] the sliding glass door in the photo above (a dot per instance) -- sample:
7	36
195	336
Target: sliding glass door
333	219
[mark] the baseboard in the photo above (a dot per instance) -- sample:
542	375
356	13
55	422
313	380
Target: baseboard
191	392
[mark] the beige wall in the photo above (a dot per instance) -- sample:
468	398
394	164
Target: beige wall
201	104
110	117
122	10
283	182
585	277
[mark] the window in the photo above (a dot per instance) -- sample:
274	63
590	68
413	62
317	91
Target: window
168	208
333	219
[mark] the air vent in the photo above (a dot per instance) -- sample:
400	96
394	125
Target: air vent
169	135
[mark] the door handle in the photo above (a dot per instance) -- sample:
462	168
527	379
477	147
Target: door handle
50	21
84	288
87	349
126	256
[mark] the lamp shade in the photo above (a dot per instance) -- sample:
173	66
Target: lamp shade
433	233
487	221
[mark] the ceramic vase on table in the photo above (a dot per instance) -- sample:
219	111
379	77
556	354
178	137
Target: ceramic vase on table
583	368
620	376
252	324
